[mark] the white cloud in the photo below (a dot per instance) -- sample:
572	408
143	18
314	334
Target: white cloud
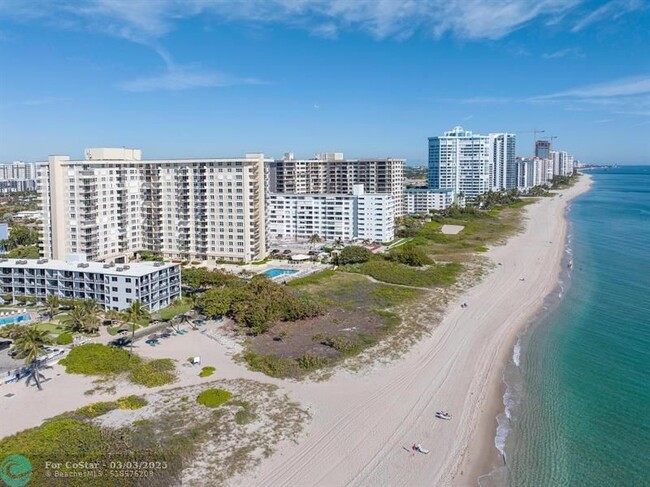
139	20
570	51
603	120
177	78
638	85
610	11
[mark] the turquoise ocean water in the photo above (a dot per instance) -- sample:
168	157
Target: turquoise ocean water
578	388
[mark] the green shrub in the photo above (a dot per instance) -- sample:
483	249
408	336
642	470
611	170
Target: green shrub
354	254
97	359
245	415
213	398
396	273
311	362
64	339
154	373
410	255
131	402
271	364
207	371
96	409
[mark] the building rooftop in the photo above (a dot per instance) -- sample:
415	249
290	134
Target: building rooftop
136	269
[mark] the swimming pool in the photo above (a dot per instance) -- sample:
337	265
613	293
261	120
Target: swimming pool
10	320
273	273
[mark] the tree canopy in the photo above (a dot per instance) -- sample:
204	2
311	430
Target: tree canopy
354	254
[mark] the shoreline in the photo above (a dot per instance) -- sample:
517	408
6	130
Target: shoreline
362	423
491	458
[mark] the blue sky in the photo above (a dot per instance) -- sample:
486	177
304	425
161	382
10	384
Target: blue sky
195	78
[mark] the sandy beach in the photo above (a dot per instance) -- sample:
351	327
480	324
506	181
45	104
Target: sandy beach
363	424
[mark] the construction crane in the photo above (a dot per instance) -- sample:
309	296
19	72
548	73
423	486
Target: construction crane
534	132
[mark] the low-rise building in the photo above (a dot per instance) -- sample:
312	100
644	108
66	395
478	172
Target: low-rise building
155	284
422	200
356	216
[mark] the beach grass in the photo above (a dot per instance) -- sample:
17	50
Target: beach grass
101	360
174	310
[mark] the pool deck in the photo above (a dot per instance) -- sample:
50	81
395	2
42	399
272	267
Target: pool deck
302	268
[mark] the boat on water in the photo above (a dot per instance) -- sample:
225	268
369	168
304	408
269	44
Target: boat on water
443	415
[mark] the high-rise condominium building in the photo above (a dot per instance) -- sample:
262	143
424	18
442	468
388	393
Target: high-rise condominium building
347	217
331	173
562	163
460	160
113	204
543	149
18	171
502	161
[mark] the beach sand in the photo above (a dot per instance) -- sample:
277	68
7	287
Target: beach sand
363	424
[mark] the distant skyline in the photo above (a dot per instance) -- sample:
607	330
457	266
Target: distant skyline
370	78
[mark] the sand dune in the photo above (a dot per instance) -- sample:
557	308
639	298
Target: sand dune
362	423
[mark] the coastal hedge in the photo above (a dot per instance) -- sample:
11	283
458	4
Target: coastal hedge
396	273
131	402
97	359
207	371
213	398
64	339
153	373
96	409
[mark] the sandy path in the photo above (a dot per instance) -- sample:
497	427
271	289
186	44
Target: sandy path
362	423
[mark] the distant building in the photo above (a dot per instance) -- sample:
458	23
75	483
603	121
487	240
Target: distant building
422	200
155	284
331	173
18	171
502	161
460	160
562	163
543	149
360	215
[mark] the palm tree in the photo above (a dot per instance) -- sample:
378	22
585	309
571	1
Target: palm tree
91	306
52	303
77	318
113	316
133	315
91	323
314	239
31	345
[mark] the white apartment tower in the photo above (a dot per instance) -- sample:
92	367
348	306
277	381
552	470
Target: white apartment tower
113	204
460	160
347	217
502	161
331	173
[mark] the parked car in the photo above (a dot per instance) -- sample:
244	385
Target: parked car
286	252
